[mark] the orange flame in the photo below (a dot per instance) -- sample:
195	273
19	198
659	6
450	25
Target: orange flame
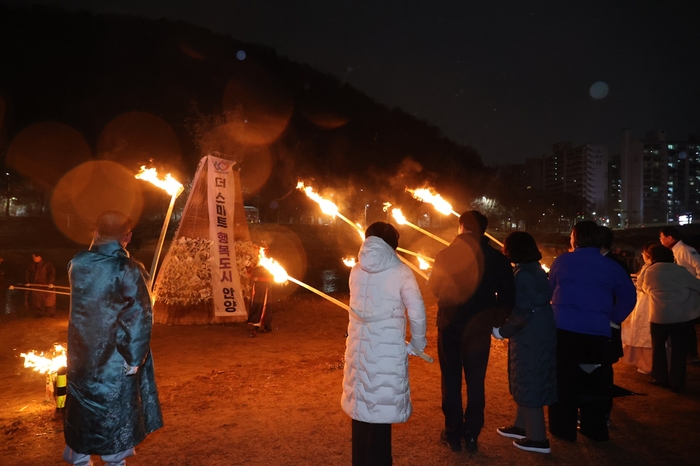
398	216
169	184
431	197
44	364
327	207
349	261
386	206
272	266
423	264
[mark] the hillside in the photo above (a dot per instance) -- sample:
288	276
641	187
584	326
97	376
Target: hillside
141	91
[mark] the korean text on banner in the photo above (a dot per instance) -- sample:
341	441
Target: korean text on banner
226	284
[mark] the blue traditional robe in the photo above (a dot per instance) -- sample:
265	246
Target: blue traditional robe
110	325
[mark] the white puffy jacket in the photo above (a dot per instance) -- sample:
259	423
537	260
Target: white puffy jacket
382	289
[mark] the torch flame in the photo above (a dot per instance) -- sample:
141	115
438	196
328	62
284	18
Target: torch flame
349	261
272	266
44	364
431	197
169	184
327	207
545	268
398	216
423	264
386	206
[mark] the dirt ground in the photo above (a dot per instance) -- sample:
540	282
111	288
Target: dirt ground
229	399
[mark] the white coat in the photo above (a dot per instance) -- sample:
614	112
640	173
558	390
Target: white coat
382	289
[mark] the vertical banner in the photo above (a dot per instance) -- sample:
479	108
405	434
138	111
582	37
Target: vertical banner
226	284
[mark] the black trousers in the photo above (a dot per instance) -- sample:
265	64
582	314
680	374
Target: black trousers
693	339
680	335
371	444
463	352
579	391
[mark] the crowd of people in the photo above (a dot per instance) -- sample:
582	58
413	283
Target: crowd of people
565	330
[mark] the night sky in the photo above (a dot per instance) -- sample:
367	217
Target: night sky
509	78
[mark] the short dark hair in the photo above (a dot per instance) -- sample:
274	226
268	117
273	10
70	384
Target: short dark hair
520	248
475	221
385	231
606	237
660	253
113	225
587	234
673	232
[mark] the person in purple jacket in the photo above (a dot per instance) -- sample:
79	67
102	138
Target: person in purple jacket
588	292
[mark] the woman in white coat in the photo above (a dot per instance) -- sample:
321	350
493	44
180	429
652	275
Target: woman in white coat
636	336
376	391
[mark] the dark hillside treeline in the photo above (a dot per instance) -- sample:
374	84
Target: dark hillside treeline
283	121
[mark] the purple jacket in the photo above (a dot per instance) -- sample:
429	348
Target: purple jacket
589	291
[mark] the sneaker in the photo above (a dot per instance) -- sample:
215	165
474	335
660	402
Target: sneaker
470	444
511	431
454	446
531	445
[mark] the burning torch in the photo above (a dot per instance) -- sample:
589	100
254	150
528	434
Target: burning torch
441	205
54	366
401	220
172	187
280	276
329	208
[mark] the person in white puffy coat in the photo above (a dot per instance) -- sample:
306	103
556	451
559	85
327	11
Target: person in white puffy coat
376	391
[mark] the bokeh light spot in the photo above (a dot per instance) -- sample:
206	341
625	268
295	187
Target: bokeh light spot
257	109
44	152
599	90
240	55
256	167
90	189
136	138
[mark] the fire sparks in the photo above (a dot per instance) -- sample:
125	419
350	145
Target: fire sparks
169	184
349	261
44	364
431	197
327	207
272	266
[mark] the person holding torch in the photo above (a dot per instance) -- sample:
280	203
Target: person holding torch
376	391
112	400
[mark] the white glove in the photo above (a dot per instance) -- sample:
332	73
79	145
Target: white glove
410	350
496	333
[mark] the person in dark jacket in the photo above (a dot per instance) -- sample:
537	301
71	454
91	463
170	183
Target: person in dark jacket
532	345
112	399
476	292
41	272
588	292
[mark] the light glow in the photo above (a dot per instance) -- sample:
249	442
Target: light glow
272	266
44	364
168	184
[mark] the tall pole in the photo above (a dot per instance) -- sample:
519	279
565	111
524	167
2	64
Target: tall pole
159	246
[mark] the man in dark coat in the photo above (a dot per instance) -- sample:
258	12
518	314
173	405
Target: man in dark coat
41	272
476	292
112	400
